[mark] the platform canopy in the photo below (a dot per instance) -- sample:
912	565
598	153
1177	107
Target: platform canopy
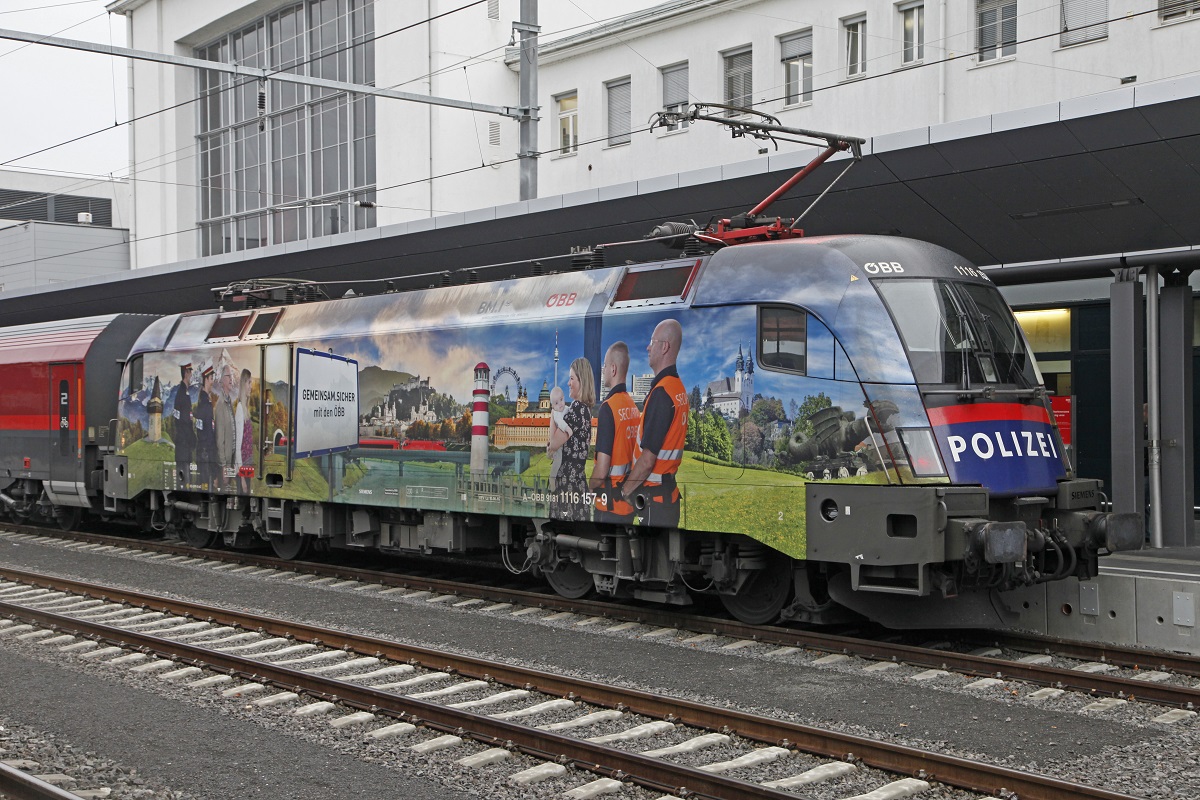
1076	188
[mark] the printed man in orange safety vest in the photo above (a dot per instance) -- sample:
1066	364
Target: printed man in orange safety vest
616	439
651	483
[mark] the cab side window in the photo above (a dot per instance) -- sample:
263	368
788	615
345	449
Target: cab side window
783	339
133	370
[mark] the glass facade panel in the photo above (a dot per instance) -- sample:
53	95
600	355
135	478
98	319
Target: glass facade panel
250	172
299	166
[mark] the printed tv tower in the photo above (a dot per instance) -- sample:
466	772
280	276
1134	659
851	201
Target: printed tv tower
479	419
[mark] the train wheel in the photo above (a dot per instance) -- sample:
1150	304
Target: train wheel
199	538
766	593
291	546
571	580
68	518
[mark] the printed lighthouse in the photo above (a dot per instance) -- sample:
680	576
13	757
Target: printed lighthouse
479	418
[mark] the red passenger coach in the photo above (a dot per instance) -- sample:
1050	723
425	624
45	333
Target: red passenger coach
58	400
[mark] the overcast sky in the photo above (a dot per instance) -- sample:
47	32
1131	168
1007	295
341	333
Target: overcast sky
50	95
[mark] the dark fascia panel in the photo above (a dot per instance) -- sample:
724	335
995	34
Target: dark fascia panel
1114	129
1174	119
960	194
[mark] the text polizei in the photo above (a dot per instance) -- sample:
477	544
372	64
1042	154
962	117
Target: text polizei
1004	444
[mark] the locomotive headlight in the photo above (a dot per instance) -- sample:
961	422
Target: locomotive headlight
829	510
922	451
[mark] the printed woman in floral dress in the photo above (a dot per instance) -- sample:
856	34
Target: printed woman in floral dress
567	500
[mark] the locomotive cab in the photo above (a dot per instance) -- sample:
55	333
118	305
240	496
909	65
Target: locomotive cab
986	500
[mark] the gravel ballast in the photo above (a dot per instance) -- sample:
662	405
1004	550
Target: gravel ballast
1119	749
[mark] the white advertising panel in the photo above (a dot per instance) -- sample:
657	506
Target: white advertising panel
326	403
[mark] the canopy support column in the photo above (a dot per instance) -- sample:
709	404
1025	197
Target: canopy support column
1127	338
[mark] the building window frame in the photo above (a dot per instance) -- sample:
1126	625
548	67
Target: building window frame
737	77
912	32
796	57
995	29
566	106
675	92
1178	10
618	99
854	37
1083	21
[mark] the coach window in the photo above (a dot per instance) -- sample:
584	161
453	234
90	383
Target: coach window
783	339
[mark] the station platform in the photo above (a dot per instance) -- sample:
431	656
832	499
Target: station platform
1145	598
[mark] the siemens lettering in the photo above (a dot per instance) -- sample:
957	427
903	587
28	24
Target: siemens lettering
326	403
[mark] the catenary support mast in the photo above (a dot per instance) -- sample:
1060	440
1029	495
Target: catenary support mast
528	28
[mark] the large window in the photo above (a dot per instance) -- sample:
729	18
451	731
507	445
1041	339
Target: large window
960	333
1177	9
620	111
856	46
796	53
1083	21
675	92
996	28
568	123
912	21
280	161
739	84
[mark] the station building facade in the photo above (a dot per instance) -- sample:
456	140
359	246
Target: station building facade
229	166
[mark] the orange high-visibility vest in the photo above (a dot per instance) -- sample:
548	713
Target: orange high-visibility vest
626	431
670	456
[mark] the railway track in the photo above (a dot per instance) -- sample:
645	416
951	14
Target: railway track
1154	677
372	682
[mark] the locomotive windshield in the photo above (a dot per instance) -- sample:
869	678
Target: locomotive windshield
961	333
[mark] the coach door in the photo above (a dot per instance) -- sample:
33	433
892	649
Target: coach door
276	394
65	428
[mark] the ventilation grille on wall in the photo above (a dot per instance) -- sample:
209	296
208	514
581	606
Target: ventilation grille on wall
20	205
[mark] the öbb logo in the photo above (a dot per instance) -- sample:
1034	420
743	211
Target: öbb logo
883	267
559	300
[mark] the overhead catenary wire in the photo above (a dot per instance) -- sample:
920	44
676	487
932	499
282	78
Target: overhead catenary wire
483	165
46	7
453	173
476	57
281	70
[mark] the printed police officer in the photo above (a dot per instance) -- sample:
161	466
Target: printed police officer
651	482
616	439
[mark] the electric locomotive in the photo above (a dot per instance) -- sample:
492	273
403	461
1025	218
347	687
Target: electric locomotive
886	354
809	428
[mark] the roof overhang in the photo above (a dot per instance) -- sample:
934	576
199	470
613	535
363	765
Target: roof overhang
1076	189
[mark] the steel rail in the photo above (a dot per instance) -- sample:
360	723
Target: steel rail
927	765
1097	684
19	785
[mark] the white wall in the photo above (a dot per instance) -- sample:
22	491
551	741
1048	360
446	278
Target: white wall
40	253
888	98
416	141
